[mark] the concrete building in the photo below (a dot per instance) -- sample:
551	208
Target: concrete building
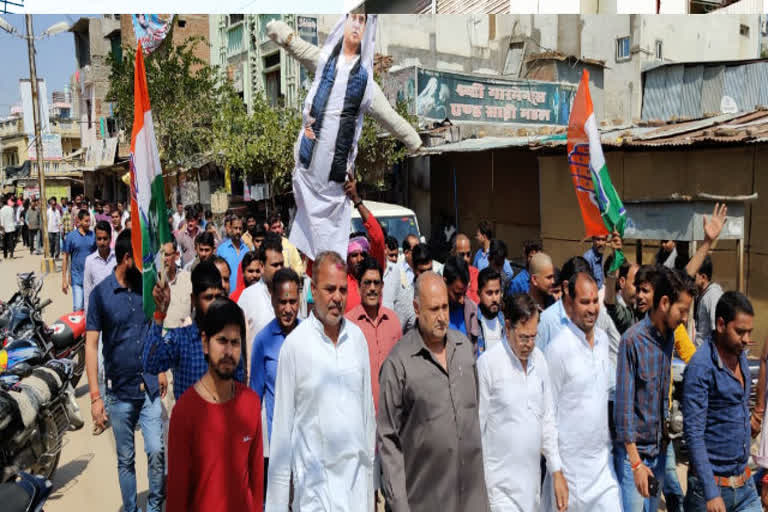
95	39
18	172
506	46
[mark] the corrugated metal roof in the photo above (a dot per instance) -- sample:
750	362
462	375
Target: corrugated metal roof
741	128
693	90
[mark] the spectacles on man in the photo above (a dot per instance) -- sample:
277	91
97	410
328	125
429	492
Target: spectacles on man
526	337
463	254
371	282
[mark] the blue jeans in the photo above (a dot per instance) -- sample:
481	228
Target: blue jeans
673	493
124	416
630	497
77	297
743	499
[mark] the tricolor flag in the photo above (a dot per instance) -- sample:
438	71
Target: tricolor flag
149	219
601	207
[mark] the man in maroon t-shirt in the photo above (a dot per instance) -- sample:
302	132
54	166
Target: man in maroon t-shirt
215	451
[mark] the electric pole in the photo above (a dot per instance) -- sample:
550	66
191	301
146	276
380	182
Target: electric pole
48	264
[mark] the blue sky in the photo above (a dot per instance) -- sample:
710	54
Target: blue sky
55	57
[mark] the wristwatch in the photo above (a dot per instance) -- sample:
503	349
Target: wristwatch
357	204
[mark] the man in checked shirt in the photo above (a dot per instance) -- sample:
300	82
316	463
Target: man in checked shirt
181	349
642	381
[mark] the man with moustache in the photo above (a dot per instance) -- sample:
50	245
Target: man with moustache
491	318
643	377
463	248
517	416
580	371
256	300
285	286
324	422
180	349
716	408
132	394
428	426
380	325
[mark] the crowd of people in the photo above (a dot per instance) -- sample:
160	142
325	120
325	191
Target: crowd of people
384	378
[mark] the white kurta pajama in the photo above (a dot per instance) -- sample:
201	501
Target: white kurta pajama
580	385
324	425
517	426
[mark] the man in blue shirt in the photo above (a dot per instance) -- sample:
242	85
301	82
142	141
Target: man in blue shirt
484	235
78	245
521	282
716	390
180	350
232	250
463	311
595	258
132	395
267	343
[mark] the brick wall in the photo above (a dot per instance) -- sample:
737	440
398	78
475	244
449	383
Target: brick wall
194	25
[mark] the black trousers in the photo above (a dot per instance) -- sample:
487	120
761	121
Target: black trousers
9	243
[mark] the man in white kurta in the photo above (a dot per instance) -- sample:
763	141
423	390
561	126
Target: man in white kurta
324	423
517	419
580	373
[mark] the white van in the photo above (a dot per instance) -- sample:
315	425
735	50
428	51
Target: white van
397	221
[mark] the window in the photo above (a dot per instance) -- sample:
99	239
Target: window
235	40
263	20
272	83
659	50
622	49
744	30
181	23
272	60
235	18
514	58
117	50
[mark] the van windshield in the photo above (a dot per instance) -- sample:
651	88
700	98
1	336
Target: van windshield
398	226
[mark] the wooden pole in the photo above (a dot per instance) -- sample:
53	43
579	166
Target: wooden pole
740	255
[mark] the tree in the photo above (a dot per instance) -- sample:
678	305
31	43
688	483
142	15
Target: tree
184	93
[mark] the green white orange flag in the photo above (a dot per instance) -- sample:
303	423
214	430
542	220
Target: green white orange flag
601	207
149	226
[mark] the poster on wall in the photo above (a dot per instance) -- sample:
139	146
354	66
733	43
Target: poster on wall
458	97
51	147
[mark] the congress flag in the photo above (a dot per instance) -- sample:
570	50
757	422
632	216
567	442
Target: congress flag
601	207
149	219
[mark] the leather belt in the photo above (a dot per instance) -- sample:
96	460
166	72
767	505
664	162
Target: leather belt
735	481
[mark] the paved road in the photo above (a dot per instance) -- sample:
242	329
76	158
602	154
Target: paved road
87	474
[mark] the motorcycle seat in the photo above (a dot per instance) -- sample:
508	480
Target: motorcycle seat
62	335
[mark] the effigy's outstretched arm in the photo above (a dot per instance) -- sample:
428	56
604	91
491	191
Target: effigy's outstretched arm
381	110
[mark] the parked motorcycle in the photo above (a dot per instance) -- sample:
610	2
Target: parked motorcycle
37	408
28	494
21	318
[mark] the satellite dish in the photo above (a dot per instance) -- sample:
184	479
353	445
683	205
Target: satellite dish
728	105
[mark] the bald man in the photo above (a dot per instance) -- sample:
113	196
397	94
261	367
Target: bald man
462	247
541	281
430	374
